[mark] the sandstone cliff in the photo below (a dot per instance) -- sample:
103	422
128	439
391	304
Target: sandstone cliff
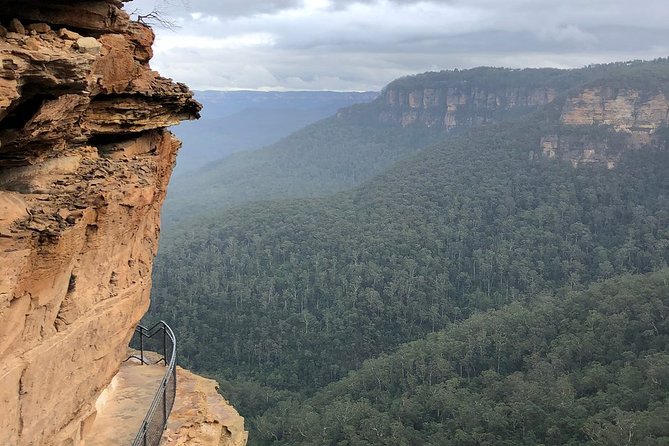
628	119
459	99
459	106
602	110
85	158
201	417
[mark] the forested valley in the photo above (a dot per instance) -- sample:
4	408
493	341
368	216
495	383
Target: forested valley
359	142
475	292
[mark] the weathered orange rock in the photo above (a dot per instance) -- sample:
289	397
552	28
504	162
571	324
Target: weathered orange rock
84	163
96	15
16	26
77	285
40	28
633	115
201	416
624	109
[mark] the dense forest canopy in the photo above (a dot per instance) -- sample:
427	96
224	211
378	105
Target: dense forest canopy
444	300
570	368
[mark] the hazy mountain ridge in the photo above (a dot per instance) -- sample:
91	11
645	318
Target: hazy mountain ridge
484	95
225	103
234	121
413	112
362	140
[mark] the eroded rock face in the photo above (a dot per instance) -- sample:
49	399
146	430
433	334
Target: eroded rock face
84	163
624	109
201	416
629	119
451	107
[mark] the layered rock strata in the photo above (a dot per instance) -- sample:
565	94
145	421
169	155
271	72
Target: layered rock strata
630	117
459	106
624	109
84	163
625	118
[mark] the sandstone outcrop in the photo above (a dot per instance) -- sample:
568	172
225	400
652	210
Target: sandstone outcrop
624	109
201	416
84	163
629	117
459	106
580	150
453	100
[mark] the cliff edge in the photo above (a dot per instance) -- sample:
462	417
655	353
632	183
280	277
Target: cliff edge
599	111
85	158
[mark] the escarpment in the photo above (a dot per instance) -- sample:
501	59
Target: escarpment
85	158
599	111
599	123
453	100
460	106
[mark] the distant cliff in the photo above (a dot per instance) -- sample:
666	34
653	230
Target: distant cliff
599	111
460	99
85	158
626	119
459	106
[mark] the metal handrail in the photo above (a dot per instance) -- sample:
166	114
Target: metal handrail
164	398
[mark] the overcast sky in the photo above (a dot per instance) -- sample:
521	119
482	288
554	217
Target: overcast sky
364	44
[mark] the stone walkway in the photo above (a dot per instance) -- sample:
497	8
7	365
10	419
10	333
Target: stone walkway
123	406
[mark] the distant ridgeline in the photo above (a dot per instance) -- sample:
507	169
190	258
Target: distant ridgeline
235	121
310	305
627	102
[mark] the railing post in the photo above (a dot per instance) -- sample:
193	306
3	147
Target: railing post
165	345
141	346
165	405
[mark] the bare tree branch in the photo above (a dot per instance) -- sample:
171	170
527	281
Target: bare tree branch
158	16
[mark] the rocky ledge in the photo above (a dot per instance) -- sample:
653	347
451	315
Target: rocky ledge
85	158
201	416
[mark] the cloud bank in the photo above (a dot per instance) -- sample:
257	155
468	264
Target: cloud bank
364	44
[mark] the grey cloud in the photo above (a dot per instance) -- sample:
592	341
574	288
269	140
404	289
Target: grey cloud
227	8
364	47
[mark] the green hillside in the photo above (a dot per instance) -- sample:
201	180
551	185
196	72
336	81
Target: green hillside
280	299
571	368
291	296
234	121
325	157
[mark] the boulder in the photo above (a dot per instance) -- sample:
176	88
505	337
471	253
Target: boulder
88	45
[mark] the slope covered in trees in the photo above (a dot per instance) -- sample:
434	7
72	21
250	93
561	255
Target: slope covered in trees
571	368
234	121
280	299
291	296
322	158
